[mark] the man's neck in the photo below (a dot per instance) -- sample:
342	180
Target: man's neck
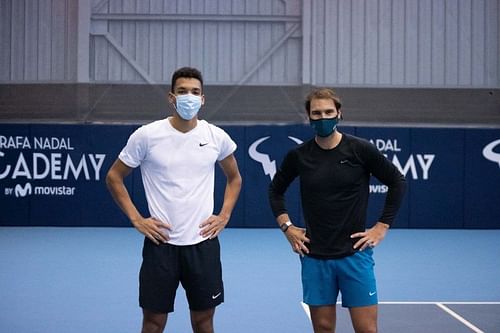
182	125
330	141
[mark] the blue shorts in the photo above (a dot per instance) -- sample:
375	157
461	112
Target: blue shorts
353	276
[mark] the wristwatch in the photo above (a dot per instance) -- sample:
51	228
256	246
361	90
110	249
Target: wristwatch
284	226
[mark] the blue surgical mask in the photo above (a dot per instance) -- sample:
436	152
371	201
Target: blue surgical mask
324	126
187	105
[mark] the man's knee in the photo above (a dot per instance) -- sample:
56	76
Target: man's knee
202	321
323	318
153	322
321	326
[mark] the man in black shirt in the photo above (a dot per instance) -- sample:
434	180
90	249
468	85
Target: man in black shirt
334	170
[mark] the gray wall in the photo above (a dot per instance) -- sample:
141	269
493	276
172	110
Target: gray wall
38	40
358	43
402	42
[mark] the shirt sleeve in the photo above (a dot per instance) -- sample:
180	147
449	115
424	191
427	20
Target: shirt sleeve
227	146
388	174
287	172
135	150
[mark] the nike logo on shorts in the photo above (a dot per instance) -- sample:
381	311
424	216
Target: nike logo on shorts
216	296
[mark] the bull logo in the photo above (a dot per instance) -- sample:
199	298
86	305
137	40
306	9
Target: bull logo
20	191
268	165
489	154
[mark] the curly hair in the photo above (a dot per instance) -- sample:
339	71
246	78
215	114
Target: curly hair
186	72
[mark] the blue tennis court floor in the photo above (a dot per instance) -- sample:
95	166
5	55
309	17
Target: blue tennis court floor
85	280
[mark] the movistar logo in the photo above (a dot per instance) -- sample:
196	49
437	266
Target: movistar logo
21	191
489	154
268	165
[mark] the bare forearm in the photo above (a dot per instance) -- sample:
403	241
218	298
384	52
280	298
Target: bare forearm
122	198
231	195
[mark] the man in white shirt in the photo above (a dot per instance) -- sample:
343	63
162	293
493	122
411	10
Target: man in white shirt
177	157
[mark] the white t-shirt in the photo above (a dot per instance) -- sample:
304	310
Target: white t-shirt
178	173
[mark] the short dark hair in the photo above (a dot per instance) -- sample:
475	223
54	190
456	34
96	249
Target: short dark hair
322	93
186	72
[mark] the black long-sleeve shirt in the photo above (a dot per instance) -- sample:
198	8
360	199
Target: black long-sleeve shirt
334	188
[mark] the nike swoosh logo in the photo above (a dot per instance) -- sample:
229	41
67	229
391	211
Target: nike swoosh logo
343	161
203	144
372	293
215	296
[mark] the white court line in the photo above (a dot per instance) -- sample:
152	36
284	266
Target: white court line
306	310
439	304
459	318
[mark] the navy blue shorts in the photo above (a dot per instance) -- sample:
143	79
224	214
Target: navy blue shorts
197	267
353	276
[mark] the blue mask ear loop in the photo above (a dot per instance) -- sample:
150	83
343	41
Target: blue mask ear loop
174	103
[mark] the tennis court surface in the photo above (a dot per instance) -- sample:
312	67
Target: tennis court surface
85	280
